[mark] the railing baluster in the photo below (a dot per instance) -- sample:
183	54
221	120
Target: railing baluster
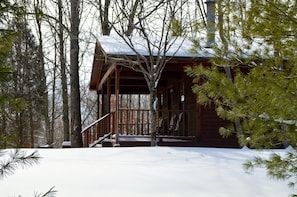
143	123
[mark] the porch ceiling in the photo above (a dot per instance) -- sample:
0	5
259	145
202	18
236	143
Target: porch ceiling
132	82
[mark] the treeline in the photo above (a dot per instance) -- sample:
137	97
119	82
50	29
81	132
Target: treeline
34	75
49	57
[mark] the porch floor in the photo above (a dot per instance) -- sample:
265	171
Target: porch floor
165	140
145	140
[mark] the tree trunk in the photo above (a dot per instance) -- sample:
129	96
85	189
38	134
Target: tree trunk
53	97
104	16
76	137
227	68
131	25
45	112
63	75
153	112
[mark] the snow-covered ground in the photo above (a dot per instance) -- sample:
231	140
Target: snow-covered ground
140	172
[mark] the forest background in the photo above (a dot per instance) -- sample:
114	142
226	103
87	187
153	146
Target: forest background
48	83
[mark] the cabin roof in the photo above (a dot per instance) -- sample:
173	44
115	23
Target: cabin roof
185	47
181	47
111	49
181	51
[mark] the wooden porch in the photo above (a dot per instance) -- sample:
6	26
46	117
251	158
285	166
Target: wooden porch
133	128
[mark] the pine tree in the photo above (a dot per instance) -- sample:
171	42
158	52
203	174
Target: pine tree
258	45
28	85
8	104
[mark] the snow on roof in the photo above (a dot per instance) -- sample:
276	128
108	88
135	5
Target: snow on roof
184	47
181	47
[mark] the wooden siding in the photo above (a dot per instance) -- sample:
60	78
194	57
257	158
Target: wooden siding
210	124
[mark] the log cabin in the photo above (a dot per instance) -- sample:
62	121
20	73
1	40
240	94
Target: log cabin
181	120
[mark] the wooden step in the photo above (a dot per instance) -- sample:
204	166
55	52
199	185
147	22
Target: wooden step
100	140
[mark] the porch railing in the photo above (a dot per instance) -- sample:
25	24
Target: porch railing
98	130
134	121
175	123
169	122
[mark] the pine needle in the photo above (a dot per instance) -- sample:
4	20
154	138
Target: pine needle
50	193
15	159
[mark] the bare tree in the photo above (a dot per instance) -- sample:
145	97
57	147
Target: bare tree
38	5
158	26
63	74
57	21
104	16
76	137
111	11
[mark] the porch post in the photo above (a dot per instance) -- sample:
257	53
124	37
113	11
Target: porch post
103	102
108	96
117	90
199	121
98	105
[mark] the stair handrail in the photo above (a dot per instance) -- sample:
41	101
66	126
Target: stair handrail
97	129
95	122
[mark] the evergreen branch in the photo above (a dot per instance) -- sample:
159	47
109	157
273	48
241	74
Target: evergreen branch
278	167
284	13
21	158
50	193
18	158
